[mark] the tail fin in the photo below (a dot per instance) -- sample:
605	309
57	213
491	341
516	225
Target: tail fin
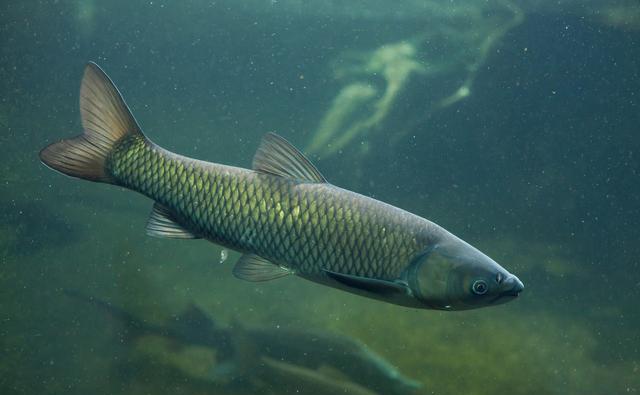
106	119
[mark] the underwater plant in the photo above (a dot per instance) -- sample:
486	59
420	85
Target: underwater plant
466	34
352	113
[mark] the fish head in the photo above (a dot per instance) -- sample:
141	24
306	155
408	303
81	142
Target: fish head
453	275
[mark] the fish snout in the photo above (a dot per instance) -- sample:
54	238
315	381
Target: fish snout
513	286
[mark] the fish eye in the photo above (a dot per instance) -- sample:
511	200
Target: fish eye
499	278
479	287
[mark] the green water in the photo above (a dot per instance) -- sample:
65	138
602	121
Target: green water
537	166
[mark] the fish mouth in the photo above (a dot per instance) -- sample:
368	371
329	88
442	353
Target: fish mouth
510	293
504	297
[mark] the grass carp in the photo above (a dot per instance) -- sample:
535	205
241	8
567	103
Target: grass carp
282	215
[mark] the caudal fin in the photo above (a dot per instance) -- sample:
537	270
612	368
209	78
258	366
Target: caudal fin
106	119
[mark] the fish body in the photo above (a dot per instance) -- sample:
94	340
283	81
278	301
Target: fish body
306	227
282	215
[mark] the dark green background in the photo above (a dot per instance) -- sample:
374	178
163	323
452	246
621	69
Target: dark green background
538	168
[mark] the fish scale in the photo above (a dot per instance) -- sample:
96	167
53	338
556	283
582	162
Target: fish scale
303	226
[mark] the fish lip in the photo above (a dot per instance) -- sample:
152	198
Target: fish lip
504	297
511	293
519	286
515	289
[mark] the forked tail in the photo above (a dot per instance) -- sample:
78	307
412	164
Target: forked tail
106	120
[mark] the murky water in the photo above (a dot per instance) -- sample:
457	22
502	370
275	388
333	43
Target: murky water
514	125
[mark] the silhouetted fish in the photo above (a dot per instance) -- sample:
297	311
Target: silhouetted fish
244	351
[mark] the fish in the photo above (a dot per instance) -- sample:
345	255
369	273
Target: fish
314	351
282	215
254	353
193	326
306	381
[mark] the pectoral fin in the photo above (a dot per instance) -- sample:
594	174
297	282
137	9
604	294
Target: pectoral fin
372	285
254	268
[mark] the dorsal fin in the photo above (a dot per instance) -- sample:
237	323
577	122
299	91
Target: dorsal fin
162	224
278	157
103	110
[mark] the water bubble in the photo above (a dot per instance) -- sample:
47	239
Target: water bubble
223	255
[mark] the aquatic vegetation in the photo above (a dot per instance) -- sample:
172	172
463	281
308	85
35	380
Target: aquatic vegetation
469	37
347	105
352	114
490	36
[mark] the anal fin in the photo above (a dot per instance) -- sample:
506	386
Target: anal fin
162	224
254	268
